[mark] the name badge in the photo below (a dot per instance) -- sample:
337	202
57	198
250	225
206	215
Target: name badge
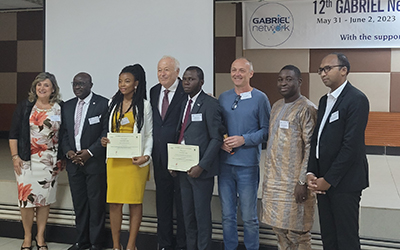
94	120
284	124
334	116
197	117
245	95
55	118
124	121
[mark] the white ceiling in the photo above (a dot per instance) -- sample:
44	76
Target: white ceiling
20	4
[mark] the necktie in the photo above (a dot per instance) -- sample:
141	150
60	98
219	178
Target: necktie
165	104
185	121
78	117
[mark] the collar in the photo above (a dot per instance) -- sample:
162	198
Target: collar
172	88
194	98
335	94
87	99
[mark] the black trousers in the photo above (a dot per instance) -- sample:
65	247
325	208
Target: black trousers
168	194
196	200
339	219
89	198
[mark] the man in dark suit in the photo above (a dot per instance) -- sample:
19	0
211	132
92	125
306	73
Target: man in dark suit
201	125
166	99
84	120
338	167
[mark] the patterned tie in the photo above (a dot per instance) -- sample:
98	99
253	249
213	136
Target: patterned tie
185	121
78	116
165	104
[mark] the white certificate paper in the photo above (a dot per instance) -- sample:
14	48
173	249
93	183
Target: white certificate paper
124	145
182	157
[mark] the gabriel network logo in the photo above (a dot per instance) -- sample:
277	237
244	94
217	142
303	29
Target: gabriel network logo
271	24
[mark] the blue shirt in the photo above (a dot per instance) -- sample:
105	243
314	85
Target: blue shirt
249	119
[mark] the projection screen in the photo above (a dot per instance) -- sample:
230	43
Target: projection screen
101	37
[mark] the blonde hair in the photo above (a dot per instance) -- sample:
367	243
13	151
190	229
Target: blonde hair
54	96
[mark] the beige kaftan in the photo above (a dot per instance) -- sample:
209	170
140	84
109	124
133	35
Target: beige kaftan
291	127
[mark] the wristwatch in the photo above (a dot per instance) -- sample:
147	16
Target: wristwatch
301	183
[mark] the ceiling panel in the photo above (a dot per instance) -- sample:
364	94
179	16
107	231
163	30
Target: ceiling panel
20	4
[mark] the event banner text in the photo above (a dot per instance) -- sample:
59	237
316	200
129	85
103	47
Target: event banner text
321	24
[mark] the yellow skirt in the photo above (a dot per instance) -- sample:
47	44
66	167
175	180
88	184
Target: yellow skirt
126	182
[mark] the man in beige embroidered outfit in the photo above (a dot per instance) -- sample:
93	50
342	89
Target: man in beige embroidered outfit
287	205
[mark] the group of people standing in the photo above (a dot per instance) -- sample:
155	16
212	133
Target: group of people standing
48	135
316	154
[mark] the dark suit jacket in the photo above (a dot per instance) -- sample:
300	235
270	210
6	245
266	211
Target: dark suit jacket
207	133
164	130
91	134
342	158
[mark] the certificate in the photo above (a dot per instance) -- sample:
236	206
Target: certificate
124	145
182	157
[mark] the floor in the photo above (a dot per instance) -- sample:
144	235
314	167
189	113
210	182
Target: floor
11	243
384	176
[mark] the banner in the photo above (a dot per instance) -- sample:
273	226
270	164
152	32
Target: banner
321	24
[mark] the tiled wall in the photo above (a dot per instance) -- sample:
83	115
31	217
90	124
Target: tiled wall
375	71
21	58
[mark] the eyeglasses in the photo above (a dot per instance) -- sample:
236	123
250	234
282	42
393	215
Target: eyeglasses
78	84
235	103
328	68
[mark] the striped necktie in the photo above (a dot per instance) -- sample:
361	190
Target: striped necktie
78	117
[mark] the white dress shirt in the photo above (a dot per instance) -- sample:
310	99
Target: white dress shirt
330	102
194	98
171	94
83	118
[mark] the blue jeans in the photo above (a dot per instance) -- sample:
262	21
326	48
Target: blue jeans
239	182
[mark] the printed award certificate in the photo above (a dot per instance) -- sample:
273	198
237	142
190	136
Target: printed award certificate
182	157
124	145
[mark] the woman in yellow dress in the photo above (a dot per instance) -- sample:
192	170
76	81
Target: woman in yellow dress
130	112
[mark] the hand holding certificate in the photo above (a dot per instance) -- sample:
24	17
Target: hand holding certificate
124	145
182	157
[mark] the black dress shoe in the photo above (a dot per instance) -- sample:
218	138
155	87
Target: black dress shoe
78	246
96	247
